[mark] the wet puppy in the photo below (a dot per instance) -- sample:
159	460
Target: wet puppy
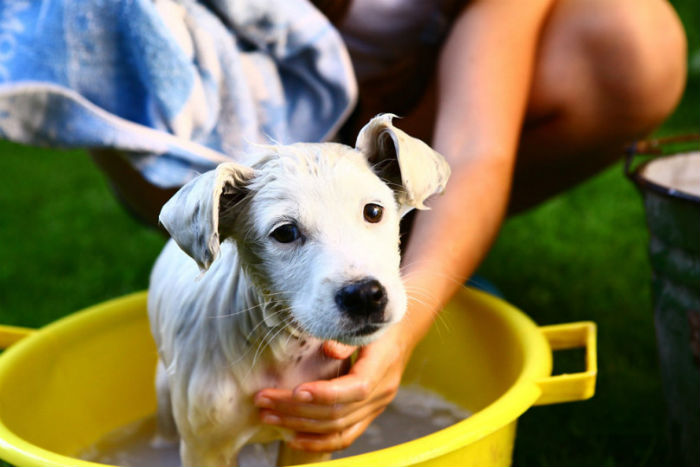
268	260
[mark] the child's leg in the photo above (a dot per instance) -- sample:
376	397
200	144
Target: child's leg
607	73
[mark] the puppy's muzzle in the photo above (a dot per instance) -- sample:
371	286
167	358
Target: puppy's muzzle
364	301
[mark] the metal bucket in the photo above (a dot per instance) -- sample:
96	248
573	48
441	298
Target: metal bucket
670	186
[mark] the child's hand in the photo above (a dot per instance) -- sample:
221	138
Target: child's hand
330	415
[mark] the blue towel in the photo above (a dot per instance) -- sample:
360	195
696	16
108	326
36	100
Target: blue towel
180	85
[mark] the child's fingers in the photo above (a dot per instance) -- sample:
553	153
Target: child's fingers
334	349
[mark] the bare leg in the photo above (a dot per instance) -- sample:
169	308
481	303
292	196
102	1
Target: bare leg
141	199
606	74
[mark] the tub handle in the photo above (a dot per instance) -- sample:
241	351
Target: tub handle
554	389
570	387
11	334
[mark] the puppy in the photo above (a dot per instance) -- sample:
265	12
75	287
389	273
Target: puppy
269	259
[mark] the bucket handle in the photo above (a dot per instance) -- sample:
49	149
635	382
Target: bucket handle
653	147
11	334
570	387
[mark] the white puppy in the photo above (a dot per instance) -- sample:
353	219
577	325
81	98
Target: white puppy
267	262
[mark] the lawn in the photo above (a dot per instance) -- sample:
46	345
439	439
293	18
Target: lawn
65	243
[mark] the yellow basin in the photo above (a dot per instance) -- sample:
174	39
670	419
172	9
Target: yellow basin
68	384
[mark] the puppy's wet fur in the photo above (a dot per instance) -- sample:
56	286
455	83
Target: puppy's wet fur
269	258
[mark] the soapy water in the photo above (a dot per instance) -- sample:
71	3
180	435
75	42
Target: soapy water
414	413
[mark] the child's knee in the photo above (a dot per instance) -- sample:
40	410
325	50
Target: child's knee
620	63
637	51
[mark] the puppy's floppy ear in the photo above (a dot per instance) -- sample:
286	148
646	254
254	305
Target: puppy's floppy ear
200	214
411	168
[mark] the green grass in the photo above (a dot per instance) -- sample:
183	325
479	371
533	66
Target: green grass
580	257
65	244
583	256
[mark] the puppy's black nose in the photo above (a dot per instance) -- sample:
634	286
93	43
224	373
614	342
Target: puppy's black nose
365	298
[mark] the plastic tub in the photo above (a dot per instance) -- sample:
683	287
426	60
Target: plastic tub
68	384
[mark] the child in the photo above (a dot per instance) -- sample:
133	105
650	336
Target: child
525	99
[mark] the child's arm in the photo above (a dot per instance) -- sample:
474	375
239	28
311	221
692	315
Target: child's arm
483	82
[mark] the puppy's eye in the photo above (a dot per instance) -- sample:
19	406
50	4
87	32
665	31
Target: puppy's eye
373	213
286	233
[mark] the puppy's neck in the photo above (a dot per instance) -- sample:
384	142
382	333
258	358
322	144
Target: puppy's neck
258	325
278	352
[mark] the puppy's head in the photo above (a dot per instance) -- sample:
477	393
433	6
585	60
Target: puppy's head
316	226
